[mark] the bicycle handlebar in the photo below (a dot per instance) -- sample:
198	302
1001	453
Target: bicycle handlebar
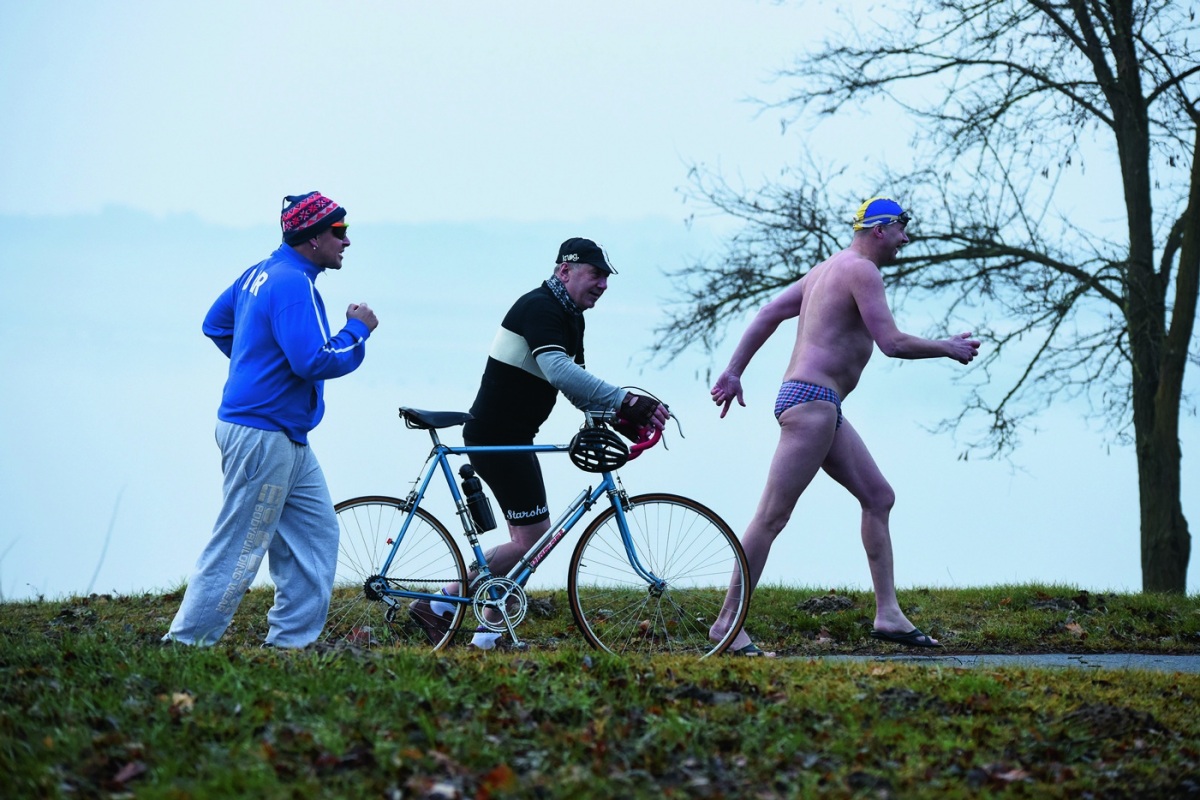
648	436
646	440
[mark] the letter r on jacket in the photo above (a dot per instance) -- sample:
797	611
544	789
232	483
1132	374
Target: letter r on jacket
259	280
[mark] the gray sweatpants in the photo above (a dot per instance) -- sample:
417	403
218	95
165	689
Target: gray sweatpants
276	503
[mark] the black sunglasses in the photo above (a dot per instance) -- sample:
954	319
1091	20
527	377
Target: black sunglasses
339	230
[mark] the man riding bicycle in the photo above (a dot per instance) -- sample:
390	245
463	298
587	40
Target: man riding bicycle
537	353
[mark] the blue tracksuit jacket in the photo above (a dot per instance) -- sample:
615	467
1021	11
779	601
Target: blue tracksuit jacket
271	323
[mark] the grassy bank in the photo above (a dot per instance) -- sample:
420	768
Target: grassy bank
94	706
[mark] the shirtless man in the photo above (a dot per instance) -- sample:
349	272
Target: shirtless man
842	314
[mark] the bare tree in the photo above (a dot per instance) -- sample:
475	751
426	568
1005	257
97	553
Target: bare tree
1009	97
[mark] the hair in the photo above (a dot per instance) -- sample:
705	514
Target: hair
573	265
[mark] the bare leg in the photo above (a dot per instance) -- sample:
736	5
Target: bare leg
806	433
499	560
850	464
503	557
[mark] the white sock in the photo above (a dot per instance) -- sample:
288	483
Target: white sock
485	639
440	608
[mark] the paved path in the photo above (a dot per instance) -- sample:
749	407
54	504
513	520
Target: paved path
1097	661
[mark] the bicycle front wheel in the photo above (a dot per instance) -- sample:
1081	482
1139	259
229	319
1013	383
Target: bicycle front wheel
426	561
698	564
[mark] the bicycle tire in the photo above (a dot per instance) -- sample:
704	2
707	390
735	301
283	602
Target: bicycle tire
678	540
427	560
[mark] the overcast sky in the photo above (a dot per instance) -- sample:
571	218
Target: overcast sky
414	111
472	137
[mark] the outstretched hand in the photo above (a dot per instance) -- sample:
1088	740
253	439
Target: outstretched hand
727	387
963	348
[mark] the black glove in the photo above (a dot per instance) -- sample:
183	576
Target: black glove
631	419
627	429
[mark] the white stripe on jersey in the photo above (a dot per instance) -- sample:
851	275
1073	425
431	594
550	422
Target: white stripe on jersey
512	349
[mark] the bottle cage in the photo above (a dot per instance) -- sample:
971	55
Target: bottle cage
598	448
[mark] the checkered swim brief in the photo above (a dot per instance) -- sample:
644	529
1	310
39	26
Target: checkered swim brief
793	393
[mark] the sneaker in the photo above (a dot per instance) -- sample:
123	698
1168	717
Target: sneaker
487	640
432	624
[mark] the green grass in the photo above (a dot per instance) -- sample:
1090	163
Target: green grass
94	706
997	619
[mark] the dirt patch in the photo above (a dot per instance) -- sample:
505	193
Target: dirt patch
826	604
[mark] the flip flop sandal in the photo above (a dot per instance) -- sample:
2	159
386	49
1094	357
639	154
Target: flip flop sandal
914	638
750	651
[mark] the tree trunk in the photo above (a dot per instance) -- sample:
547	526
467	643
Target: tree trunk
1156	369
1166	543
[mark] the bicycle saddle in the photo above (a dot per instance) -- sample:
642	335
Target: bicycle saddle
416	418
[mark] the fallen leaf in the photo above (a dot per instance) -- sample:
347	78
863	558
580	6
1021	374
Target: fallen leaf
1011	775
182	703
130	771
500	779
361	636
979	702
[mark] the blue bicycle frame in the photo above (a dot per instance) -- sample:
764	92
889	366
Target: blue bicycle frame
529	562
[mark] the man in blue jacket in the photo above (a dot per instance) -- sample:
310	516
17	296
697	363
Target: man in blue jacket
271	324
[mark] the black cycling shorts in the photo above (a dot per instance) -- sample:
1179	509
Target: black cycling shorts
516	481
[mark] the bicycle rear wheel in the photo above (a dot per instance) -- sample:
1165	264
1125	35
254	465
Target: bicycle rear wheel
427	560
679	541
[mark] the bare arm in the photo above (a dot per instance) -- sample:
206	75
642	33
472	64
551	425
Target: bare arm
765	323
895	343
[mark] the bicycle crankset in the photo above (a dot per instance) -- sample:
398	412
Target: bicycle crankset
503	595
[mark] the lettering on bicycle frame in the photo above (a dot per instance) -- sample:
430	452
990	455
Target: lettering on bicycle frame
561	532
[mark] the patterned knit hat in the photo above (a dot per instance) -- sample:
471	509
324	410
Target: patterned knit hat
307	215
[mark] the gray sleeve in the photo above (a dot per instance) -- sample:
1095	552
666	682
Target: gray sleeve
585	391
